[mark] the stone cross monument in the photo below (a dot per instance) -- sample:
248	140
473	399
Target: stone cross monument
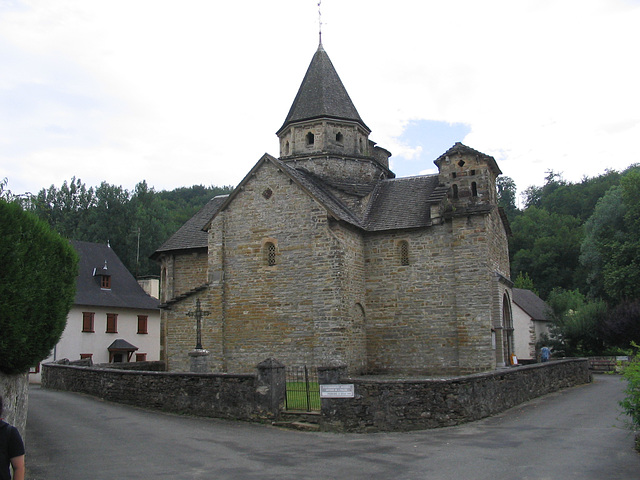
199	356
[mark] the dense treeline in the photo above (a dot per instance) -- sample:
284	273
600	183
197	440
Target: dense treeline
578	246
134	223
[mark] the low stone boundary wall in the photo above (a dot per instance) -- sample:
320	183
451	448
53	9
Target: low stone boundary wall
413	404
254	397
378	404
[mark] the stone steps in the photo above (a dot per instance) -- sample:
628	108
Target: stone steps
299	420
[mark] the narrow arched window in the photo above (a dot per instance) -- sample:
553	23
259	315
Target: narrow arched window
311	138
339	137
455	191
286	148
474	189
403	252
270	254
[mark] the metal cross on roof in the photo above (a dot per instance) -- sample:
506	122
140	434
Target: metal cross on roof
198	313
320	21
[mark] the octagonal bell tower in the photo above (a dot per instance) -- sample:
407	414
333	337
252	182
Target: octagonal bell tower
323	131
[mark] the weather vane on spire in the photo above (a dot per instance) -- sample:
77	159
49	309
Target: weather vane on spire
320	21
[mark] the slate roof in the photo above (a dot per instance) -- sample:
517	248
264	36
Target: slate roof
191	234
397	203
532	304
121	344
322	95
125	291
404	203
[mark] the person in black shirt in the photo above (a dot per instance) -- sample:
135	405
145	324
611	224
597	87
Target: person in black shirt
11	450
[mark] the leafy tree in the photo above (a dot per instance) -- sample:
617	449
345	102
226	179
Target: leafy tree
37	288
524	281
134	223
534	196
577	323
610	251
507	196
566	198
152	223
603	231
67	209
622	268
621	326
546	246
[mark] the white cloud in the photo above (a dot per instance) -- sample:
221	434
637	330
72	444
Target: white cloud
192	92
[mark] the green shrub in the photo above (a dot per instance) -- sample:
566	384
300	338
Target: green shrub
631	403
38	271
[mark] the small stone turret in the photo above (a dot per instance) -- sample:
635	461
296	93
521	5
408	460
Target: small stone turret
470	177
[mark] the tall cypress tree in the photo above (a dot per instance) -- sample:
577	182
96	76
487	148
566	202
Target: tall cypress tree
38	270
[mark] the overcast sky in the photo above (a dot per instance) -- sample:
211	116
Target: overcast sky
189	92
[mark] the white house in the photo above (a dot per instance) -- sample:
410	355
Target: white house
112	319
530	321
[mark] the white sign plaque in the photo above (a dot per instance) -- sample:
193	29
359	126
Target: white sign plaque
337	391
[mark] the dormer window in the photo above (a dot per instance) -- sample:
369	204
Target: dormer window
103	276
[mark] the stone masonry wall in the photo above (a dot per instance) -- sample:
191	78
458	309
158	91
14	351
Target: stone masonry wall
190	271
181	329
433	316
414	404
410	319
346	340
238	397
294	309
472	289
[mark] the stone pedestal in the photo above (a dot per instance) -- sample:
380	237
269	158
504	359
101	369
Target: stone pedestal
199	361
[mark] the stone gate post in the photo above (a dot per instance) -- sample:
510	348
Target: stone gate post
331	373
271	387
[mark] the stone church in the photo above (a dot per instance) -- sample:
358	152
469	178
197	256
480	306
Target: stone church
321	256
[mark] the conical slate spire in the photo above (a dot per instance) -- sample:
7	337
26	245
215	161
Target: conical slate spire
322	95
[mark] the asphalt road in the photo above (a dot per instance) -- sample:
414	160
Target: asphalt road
574	434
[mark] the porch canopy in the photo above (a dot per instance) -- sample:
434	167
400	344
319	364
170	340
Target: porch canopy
123	347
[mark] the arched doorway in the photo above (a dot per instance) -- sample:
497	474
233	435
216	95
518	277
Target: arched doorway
507	329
